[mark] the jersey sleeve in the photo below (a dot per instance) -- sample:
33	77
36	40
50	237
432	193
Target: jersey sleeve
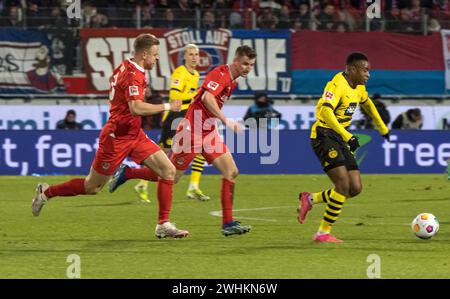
134	88
177	85
214	83
364	96
331	95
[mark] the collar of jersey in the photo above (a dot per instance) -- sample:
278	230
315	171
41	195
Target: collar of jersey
229	71
346	82
136	65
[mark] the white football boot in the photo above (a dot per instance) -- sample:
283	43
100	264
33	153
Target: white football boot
39	199
168	229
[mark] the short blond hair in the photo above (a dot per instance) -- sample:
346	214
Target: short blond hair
145	41
190	46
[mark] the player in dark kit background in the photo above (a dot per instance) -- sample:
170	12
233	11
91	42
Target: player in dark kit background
335	146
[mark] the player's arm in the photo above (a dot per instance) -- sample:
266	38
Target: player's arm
328	116
372	111
209	100
177	85
134	90
331	98
138	107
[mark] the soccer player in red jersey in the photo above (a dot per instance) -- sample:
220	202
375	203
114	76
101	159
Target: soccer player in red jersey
123	137
197	133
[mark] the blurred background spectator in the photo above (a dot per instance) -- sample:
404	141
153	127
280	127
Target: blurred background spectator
262	108
412	119
152	121
69	122
406	16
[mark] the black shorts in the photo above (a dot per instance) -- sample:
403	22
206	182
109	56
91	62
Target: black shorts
332	150
167	132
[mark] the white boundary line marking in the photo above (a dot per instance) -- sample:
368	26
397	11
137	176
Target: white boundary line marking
219	213
343	221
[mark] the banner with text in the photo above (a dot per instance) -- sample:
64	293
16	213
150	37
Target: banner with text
280	152
294	117
105	49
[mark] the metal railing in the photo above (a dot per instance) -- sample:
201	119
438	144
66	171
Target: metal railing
299	98
146	17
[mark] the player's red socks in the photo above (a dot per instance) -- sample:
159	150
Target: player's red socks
226	197
165	191
69	188
144	173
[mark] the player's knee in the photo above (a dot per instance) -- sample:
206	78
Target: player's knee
235	173
343	188
355	190
168	173
231	174
92	190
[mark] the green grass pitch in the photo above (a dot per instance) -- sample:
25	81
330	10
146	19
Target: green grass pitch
114	233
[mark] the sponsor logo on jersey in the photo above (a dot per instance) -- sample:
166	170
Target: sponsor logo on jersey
329	96
332	153
213	85
351	109
176	82
180	161
134	90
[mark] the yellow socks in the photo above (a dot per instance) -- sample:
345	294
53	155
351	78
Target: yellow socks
334	202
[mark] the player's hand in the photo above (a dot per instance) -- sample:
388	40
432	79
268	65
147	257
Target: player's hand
386	136
175	106
235	126
353	143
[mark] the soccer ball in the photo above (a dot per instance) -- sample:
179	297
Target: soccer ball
425	225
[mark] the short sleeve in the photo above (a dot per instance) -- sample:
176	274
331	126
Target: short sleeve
214	83
134	88
331	95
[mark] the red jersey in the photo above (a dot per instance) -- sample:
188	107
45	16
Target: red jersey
128	83
219	83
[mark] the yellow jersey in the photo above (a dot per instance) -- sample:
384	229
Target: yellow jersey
183	86
339	96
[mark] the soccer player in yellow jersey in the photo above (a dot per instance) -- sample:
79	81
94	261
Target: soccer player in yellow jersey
335	146
183	86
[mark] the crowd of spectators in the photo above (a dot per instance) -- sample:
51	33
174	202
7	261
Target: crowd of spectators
326	15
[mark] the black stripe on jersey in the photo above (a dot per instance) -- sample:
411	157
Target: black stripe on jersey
328	105
344	120
176	89
184	102
339	120
329	193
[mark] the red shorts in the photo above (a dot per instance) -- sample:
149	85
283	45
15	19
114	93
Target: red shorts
210	147
112	151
